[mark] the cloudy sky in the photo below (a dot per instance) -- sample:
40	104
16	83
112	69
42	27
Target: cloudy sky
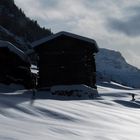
114	24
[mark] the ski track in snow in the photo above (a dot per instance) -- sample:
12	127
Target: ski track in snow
112	116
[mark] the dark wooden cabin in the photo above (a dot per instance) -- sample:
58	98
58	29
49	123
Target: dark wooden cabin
66	59
14	65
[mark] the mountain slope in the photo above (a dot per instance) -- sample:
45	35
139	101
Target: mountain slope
16	40
111	66
15	21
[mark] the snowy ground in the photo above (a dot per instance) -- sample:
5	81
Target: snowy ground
110	117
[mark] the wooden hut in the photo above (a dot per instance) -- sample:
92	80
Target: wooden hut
65	59
14	65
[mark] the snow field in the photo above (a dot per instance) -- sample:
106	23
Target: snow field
112	116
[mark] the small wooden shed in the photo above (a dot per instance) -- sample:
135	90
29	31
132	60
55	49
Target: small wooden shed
65	59
14	65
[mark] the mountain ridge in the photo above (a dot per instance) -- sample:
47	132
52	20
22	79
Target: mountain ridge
112	66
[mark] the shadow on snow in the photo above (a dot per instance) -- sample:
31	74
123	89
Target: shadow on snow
131	104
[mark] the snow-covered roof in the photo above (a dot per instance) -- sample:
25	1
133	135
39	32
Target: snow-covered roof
46	39
13	49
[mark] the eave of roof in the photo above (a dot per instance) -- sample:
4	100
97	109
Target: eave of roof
51	37
13	49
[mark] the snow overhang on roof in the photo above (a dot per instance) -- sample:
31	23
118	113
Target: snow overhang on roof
13	49
46	39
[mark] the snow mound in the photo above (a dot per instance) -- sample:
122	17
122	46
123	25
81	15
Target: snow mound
75	91
10	88
111	66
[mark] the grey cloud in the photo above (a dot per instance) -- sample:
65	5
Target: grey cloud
134	9
130	25
48	3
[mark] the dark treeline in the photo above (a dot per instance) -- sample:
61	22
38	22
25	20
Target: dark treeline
13	19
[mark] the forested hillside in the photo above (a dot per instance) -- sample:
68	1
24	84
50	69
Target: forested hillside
16	27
